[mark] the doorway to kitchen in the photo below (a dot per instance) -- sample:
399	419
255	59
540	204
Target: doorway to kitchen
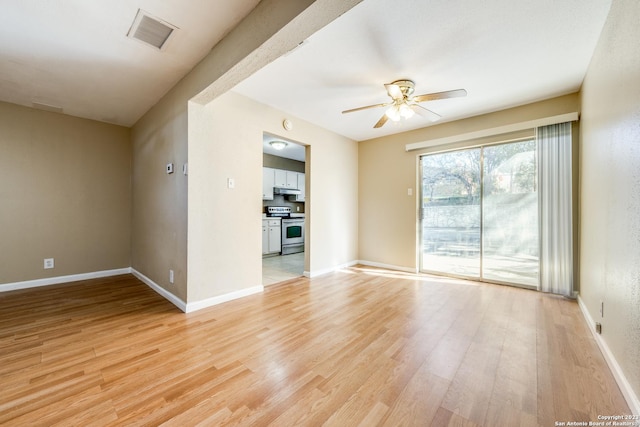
284	184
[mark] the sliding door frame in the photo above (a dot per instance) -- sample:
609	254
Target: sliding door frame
420	212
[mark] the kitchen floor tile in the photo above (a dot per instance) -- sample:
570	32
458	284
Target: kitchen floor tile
280	268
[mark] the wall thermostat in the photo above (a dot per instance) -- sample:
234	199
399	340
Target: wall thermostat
169	167
286	123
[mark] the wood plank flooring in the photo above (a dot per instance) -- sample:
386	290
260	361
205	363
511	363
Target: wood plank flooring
361	347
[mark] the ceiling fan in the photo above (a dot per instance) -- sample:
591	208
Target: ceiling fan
403	104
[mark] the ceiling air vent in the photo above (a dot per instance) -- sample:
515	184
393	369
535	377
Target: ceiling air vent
150	30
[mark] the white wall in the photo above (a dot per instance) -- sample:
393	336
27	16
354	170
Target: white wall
610	188
224	231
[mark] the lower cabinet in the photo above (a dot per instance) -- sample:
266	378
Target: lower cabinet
265	238
271	236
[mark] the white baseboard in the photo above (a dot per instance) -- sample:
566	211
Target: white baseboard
316	273
160	290
185	307
629	395
62	279
389	266
199	305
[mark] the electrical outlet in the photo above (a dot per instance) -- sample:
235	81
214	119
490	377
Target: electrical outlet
170	276
48	263
599	327
169	167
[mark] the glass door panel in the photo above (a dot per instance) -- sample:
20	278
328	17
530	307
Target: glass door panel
480	213
451	213
510	213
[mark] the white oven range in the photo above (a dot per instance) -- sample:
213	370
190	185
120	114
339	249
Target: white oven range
292	229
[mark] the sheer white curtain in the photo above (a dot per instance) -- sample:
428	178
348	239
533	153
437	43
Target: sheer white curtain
556	231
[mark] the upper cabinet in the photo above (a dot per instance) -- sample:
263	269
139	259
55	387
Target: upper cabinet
268	182
292	180
282	179
301	186
286	179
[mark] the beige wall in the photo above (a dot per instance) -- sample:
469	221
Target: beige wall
388	215
225	239
159	216
610	196
65	193
271	161
159	240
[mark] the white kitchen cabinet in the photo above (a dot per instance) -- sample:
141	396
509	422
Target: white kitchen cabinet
271	236
286	179
280	178
265	237
275	237
292	179
301	186
268	182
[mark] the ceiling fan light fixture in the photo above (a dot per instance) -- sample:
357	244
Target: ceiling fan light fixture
406	112
405	105
393	113
278	145
399	111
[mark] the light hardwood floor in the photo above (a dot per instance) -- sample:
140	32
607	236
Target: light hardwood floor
361	347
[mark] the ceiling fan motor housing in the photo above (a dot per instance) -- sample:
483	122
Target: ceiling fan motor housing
406	86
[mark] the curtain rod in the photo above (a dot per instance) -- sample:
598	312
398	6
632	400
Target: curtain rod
514	127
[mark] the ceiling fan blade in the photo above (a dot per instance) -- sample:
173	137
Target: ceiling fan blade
382	121
365	108
394	91
425	112
440	95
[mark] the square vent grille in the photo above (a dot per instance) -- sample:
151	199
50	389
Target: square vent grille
151	30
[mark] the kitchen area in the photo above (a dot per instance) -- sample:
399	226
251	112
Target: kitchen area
283	215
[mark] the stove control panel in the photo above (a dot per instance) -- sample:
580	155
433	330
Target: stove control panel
278	210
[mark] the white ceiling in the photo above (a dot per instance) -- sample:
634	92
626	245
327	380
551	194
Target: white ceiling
74	54
293	150
503	52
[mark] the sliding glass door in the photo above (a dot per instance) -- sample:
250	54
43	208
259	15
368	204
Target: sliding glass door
480	213
451	213
510	213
